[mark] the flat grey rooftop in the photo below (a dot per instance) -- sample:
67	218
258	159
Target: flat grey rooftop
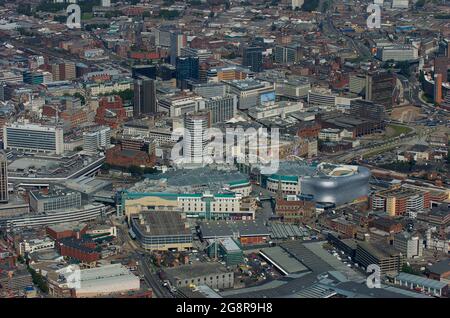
283	259
199	177
211	229
195	270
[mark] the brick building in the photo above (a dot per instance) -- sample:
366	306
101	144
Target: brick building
81	250
309	129
110	111
66	230
386	225
119	156
342	226
294	211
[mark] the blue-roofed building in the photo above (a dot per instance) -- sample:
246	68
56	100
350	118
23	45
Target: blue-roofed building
422	284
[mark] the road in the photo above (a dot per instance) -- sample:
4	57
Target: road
409	138
153	280
362	50
144	268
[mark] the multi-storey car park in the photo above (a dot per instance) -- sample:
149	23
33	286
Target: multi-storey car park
27	168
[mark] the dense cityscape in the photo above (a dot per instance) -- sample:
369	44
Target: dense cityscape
224	149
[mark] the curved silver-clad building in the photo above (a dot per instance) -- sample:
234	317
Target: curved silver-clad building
325	183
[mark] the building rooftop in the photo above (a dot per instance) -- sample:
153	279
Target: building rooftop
419	148
38	168
188	180
440	267
68	226
229	245
212	229
54	192
245	85
379	250
78	244
159	223
100	278
422	281
283	260
195	270
442	210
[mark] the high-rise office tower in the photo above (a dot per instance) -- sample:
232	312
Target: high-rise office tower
186	68
177	42
288	54
3	177
252	58
64	71
357	83
97	139
221	108
144	96
438	88
380	88
202	54
441	67
195	137
367	109
143	70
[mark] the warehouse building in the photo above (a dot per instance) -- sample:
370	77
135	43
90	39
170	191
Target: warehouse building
214	275
101	281
248	232
282	260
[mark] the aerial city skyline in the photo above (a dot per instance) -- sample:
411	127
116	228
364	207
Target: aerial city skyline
219	149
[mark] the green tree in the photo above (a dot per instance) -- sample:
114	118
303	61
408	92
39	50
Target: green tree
113	14
135	170
168	14
409	270
420	3
421	77
38	280
126	95
310	5
81	97
404	68
20	259
25	9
